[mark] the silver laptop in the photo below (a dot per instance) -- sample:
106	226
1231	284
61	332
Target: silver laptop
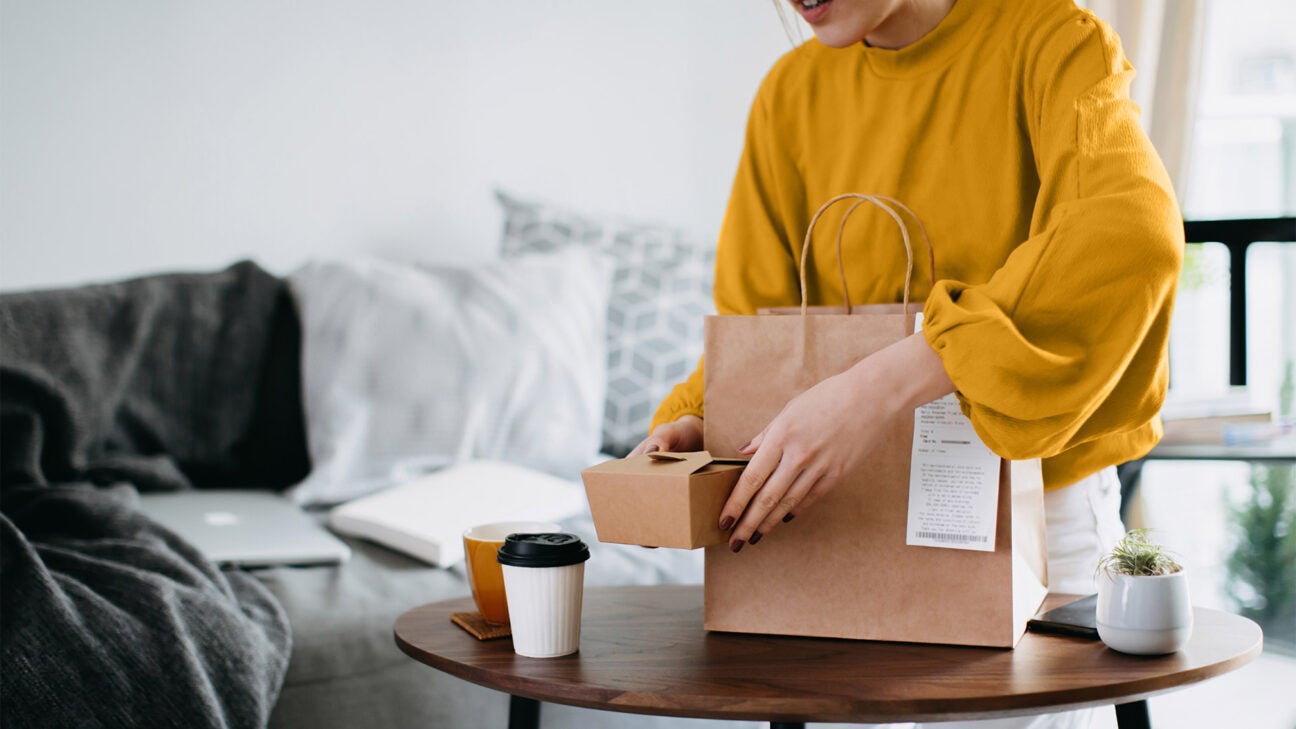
245	528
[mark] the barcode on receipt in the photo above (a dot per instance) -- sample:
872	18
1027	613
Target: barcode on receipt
949	537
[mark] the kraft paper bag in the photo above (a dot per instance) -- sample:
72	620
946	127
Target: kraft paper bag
843	570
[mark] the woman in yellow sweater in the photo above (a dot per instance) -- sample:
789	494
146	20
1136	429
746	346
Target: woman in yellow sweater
1006	125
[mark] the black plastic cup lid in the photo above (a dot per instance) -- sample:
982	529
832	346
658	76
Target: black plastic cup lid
542	550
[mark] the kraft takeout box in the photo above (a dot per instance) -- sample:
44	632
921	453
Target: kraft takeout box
661	499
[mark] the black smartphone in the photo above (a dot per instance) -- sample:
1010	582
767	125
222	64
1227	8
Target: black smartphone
1078	618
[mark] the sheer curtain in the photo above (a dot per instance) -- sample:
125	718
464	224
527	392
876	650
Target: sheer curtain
1163	39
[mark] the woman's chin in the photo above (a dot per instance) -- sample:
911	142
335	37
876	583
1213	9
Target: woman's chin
835	38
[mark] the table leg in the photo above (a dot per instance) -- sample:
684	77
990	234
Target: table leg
523	713
787	725
1133	715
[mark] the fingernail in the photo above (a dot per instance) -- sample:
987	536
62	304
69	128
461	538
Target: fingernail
650	449
726	522
755	537
788	518
746	446
737	546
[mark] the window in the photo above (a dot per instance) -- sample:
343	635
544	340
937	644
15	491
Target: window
1242	164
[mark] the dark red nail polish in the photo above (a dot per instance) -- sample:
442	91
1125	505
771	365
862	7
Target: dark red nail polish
726	522
756	537
788	518
736	546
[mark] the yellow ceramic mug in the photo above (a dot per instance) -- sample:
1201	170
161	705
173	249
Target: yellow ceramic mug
481	545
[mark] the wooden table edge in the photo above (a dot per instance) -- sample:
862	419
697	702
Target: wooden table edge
814	709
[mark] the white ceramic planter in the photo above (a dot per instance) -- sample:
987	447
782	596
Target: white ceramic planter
1145	615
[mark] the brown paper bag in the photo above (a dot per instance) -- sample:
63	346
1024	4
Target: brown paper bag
843	569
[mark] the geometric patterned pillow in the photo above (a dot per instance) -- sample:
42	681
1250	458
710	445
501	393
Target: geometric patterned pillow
661	290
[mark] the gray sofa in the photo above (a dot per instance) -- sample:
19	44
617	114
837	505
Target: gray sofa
346	670
191	381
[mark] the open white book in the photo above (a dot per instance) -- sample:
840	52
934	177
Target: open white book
426	518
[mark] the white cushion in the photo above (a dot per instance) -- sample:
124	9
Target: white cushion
503	360
661	294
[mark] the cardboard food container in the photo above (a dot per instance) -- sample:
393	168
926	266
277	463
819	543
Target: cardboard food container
661	499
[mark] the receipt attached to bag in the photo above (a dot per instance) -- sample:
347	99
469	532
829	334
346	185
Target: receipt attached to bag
953	480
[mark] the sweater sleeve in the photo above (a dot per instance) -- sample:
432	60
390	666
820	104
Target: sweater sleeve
755	266
1066	342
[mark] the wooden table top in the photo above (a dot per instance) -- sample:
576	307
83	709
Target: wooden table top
644	650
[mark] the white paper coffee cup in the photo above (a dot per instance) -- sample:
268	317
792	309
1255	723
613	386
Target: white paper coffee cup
544	578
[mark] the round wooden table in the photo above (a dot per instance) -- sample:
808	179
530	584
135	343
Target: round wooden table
644	650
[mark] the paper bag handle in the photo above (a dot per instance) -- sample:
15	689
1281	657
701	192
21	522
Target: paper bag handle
885	203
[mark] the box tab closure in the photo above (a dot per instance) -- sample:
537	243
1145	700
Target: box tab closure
677	463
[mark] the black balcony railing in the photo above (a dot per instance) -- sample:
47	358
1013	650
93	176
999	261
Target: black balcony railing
1237	236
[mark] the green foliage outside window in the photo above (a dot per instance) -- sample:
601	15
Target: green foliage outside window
1196	272
1262	565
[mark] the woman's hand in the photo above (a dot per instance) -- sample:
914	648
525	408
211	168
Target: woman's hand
680	436
826	433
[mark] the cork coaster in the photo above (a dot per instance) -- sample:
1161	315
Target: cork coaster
477	626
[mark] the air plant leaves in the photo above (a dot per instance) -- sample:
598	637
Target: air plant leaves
1136	555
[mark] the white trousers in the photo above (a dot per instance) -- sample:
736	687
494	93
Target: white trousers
1083	522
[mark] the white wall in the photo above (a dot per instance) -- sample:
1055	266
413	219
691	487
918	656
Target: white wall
138	136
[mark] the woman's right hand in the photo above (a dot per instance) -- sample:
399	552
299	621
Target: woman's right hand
680	436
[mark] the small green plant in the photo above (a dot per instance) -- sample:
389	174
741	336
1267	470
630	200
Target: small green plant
1136	555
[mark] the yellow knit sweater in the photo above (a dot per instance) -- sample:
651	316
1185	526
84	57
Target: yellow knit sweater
1009	131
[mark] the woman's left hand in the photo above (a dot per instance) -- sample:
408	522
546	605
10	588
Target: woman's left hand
827	433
